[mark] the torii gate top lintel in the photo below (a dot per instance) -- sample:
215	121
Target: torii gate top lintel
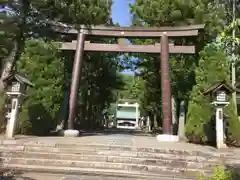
135	32
174	31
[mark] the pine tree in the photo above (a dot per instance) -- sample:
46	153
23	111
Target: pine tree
42	63
152	13
33	20
213	67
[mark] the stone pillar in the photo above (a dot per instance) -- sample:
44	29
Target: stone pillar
181	122
174	112
219	128
13	119
76	77
166	86
174	117
149	124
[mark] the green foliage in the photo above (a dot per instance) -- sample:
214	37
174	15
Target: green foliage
43	65
2	118
178	12
213	67
126	91
198	117
147	84
33	19
76	12
98	86
7	32
227	40
182	75
233	136
41	61
219	173
24	125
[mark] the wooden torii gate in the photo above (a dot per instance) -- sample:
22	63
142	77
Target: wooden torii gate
134	32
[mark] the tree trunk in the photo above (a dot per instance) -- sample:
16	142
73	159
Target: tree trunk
89	114
7	65
65	109
84	109
155	121
18	46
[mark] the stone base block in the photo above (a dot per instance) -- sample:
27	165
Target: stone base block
69	133
221	145
167	138
10	138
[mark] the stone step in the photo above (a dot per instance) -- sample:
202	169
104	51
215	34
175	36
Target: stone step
55	147
115	174
90	176
124	156
129	167
186	163
115	150
127	154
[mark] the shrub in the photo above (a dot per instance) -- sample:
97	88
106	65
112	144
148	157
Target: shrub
219	173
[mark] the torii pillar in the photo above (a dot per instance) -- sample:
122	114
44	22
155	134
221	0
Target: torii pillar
76	78
166	86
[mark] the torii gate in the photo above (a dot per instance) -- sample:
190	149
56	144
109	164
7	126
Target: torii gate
135	32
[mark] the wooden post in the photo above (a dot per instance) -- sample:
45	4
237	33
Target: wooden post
76	77
166	86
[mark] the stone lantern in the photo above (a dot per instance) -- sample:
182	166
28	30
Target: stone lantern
16	86
219	94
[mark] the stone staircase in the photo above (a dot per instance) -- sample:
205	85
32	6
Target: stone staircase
112	160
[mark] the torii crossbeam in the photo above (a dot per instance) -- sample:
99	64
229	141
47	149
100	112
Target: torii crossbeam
135	32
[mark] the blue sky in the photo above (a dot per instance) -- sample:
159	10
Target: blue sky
121	13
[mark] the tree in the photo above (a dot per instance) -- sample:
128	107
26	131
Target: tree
16	23
213	67
34	18
37	19
227	40
42	63
100	81
125	92
174	13
75	13
99	72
